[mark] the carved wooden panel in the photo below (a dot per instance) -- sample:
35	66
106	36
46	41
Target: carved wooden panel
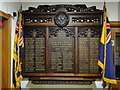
61	47
61	41
88	39
34	49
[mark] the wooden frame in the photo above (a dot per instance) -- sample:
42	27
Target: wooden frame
6	51
48	72
115	28
115	24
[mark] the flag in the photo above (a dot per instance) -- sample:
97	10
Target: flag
106	57
17	52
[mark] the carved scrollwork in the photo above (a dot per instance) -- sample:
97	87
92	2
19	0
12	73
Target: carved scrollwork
34	32
89	32
37	20
85	20
55	8
54	32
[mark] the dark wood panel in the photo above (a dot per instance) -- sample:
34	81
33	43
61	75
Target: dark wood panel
61	48
34	53
69	13
70	24
76	50
61	74
61	78
47	50
68	45
89	39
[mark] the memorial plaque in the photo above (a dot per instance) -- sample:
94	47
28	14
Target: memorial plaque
34	53
61	52
55	50
94	55
83	55
88	41
29	54
40	54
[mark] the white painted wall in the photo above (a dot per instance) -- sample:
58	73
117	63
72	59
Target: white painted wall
9	8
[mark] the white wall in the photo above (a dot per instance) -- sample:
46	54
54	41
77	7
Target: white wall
112	7
9	8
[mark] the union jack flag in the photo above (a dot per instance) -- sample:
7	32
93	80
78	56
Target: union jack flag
106	57
17	55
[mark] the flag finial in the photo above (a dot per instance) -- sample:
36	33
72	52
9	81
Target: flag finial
20	10
104	7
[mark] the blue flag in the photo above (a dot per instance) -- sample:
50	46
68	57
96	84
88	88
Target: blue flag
106	57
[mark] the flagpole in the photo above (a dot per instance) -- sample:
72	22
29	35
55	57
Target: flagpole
105	33
104	27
